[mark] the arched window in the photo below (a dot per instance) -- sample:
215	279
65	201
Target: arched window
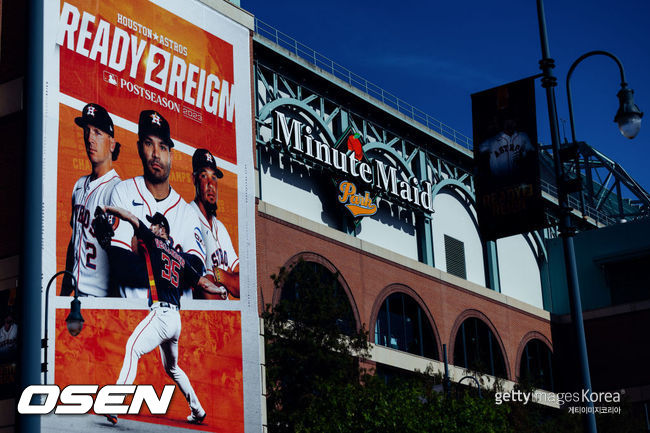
477	348
402	325
536	366
314	284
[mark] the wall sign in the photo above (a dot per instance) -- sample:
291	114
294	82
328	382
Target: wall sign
352	165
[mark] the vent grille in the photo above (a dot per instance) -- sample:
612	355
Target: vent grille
455	255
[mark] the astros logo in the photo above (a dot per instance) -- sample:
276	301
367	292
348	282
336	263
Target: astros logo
113	221
155	118
91	111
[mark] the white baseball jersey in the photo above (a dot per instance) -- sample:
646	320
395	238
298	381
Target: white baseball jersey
161	328
8	338
133	195
220	253
506	151
90	260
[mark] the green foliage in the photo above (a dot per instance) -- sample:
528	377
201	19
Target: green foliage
402	406
306	354
315	382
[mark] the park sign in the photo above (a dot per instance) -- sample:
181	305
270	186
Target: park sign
362	178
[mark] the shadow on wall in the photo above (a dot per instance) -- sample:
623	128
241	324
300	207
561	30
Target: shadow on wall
321	184
393	216
296	175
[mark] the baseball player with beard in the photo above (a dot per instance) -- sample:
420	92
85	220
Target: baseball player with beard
168	272
148	194
222	260
85	259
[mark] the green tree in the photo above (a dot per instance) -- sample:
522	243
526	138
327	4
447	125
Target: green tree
310	348
315	382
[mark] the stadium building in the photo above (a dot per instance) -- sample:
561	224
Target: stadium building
422	279
418	275
364	189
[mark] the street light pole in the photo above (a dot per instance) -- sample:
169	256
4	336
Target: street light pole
627	110
74	320
567	231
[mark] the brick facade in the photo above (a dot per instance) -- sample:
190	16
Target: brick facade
369	279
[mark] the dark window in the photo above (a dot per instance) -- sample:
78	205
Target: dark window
402	325
476	348
455	256
306	278
390	374
536	367
628	280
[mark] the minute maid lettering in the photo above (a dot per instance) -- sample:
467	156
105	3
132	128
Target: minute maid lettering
297	138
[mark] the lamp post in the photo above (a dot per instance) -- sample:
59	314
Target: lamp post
74	321
478	385
629	120
628	117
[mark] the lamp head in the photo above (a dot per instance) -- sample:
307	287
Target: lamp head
628	115
74	320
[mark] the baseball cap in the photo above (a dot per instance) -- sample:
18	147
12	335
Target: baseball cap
159	219
153	123
97	116
202	158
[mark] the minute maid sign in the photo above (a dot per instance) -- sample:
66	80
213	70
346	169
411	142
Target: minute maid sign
354	167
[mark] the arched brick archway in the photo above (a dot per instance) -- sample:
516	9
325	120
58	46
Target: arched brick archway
401	288
317	258
532	335
471	313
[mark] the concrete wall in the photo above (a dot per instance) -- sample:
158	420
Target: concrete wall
519	273
593	248
454	218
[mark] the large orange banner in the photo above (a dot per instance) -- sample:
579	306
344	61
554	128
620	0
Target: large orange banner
149	206
142	57
213	338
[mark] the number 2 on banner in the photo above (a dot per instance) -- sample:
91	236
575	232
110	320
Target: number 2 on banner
157	68
157	72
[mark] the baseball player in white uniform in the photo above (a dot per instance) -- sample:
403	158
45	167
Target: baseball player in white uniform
221	257
150	193
8	339
168	272
85	259
507	150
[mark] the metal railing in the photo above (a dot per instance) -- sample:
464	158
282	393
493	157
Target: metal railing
574	203
374	91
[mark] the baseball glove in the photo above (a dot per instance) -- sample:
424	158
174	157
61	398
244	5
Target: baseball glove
103	228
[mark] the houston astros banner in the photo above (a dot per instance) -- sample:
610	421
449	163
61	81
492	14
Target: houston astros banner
508	195
149	206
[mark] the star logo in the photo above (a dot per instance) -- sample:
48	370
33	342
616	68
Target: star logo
208	157
91	111
155	118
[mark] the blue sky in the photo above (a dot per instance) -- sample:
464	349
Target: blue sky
434	55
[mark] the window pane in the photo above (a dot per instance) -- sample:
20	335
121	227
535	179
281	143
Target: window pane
479	349
535	365
307	277
395	310
411	325
381	327
403	325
